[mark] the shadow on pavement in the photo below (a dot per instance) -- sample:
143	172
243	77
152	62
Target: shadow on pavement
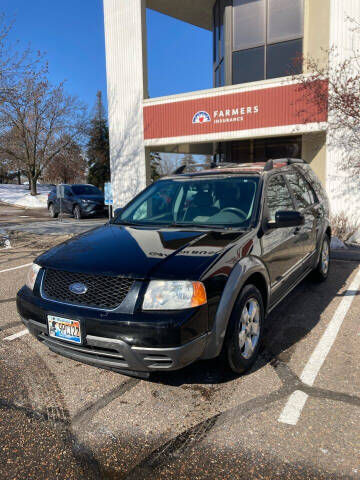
289	323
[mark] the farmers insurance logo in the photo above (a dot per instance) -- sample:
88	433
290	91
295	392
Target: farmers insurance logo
201	117
235	114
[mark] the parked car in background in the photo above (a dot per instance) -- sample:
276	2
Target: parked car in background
79	200
188	270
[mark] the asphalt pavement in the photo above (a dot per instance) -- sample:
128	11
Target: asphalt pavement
37	221
295	415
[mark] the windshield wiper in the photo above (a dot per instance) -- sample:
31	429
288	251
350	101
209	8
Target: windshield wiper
207	226
128	224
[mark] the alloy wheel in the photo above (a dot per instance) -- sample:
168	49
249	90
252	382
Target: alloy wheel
249	331
325	257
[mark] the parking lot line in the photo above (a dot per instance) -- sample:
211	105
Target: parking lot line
17	335
15	268
293	408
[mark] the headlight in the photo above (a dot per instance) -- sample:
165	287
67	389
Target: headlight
33	273
174	295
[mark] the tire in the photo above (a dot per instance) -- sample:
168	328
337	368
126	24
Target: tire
52	212
77	212
243	339
321	271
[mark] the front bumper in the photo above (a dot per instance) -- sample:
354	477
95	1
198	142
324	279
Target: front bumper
130	343
118	355
94	209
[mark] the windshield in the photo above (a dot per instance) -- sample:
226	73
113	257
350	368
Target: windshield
85	190
210	202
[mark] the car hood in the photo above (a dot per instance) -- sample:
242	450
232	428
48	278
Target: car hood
140	252
93	198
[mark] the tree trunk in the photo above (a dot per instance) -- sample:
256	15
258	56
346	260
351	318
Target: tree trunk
19	177
33	186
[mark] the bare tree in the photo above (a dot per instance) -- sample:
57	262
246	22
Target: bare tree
169	163
333	89
13	63
68	166
37	122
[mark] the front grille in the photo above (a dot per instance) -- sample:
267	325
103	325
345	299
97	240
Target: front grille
103	291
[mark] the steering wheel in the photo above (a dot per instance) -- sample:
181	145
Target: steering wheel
235	210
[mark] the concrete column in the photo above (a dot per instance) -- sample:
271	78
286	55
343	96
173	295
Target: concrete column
317	30
342	185
314	153
126	65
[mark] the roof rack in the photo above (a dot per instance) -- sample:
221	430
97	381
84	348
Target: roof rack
211	165
270	164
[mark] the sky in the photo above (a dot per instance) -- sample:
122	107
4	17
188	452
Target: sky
71	33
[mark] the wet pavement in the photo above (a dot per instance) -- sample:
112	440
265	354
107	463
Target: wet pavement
37	221
62	419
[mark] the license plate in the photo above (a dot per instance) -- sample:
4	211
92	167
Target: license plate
64	329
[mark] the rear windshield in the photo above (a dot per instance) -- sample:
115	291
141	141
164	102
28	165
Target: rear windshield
85	190
210	202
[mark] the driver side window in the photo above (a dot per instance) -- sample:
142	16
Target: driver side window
278	196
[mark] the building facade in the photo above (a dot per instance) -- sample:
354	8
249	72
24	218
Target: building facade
255	110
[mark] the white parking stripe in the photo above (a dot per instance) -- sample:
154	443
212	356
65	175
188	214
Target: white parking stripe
293	408
16	268
295	403
17	335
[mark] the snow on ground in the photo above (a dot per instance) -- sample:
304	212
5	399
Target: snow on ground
20	195
355	238
337	244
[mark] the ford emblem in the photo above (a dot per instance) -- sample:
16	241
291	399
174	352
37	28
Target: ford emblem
78	288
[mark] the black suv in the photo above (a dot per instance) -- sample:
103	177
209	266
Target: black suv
79	200
188	270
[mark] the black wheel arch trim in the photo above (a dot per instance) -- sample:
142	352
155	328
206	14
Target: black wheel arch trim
238	278
326	229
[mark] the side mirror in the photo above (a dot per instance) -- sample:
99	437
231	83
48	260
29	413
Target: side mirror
117	211
290	218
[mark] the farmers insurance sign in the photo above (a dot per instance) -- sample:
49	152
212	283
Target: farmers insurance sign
270	107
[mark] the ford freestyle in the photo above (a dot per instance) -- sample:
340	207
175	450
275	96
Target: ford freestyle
188	270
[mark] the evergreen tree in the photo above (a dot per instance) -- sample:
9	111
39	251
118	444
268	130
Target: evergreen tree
98	151
155	166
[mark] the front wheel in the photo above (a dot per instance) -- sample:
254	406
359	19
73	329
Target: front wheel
77	212
245	330
321	271
52	212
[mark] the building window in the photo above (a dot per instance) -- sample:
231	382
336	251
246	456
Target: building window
249	24
219	43
267	39
283	59
262	149
248	65
285	20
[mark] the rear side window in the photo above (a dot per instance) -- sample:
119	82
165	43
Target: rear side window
304	196
278	196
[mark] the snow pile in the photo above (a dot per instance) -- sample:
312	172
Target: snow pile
355	238
337	244
20	195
